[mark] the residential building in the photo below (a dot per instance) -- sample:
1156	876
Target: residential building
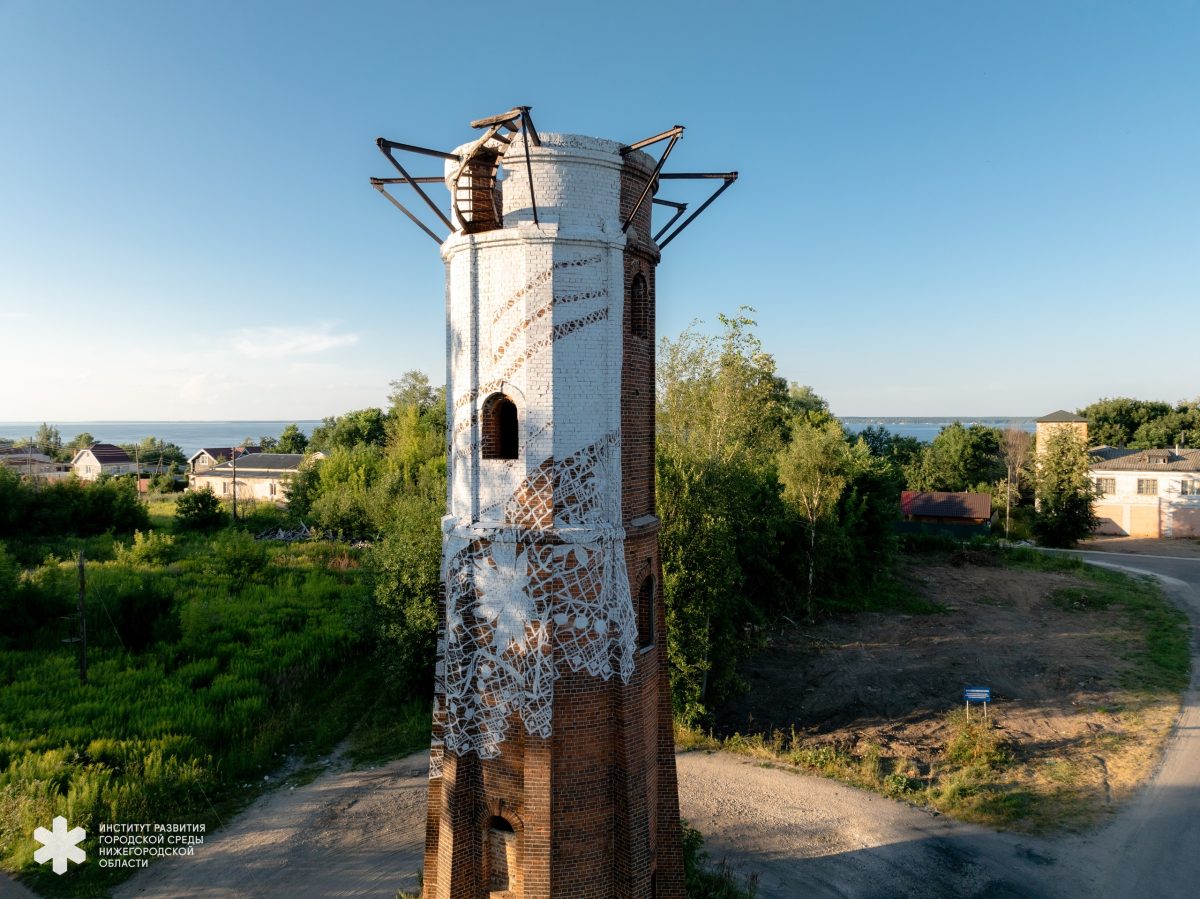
1147	492
254	476
101	458
209	456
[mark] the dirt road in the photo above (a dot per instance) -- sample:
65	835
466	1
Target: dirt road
348	833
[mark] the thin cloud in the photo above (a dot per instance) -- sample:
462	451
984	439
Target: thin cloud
277	343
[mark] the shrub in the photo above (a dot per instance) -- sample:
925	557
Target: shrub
147	548
199	510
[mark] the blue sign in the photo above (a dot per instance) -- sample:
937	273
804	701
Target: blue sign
977	694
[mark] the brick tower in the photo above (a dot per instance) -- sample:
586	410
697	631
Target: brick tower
552	771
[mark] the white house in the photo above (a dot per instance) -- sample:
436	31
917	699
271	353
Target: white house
1147	493
255	476
101	458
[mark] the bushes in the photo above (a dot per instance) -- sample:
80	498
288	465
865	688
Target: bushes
199	676
71	507
199	510
405	567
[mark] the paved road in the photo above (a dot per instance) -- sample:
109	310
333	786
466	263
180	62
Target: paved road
1153	848
809	837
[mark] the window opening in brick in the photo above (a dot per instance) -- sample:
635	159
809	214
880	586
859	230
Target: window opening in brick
501	854
639	307
1106	486
1147	487
500	428
645	612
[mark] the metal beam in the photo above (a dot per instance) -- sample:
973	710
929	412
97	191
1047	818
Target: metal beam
675	131
727	179
674	134
383	143
679	176
679	208
377	183
530	131
435	179
385	147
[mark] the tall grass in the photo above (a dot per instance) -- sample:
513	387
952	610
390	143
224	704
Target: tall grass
209	659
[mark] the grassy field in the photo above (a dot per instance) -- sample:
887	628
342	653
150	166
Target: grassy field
211	660
980	772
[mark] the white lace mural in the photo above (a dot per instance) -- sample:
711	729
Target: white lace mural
519	604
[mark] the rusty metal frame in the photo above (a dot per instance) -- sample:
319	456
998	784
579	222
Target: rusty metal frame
727	178
672	136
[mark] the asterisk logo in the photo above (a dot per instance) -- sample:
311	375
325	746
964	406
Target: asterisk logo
60	845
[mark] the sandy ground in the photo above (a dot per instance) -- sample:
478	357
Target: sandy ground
348	833
889	680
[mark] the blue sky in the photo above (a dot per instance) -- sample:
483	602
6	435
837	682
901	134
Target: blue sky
946	208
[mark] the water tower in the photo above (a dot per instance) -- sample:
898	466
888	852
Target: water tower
552	771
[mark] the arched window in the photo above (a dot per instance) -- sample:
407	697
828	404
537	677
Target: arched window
645	612
499	428
501	854
639	306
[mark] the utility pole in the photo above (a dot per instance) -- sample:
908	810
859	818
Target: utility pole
81	617
234	453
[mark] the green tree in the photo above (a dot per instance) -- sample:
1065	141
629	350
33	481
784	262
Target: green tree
1064	490
813	470
898	449
292	440
151	450
411	390
363	427
200	510
722	416
78	442
1015	444
1115	421
48	440
405	565
265	443
959	458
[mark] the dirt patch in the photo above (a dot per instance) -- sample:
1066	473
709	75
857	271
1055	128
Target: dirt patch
882	686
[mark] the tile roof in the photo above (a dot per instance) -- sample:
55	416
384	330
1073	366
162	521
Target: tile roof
1112	458
946	505
1061	415
107	453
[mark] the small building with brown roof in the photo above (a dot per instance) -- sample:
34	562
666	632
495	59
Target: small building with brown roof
210	456
1147	492
101	458
954	514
